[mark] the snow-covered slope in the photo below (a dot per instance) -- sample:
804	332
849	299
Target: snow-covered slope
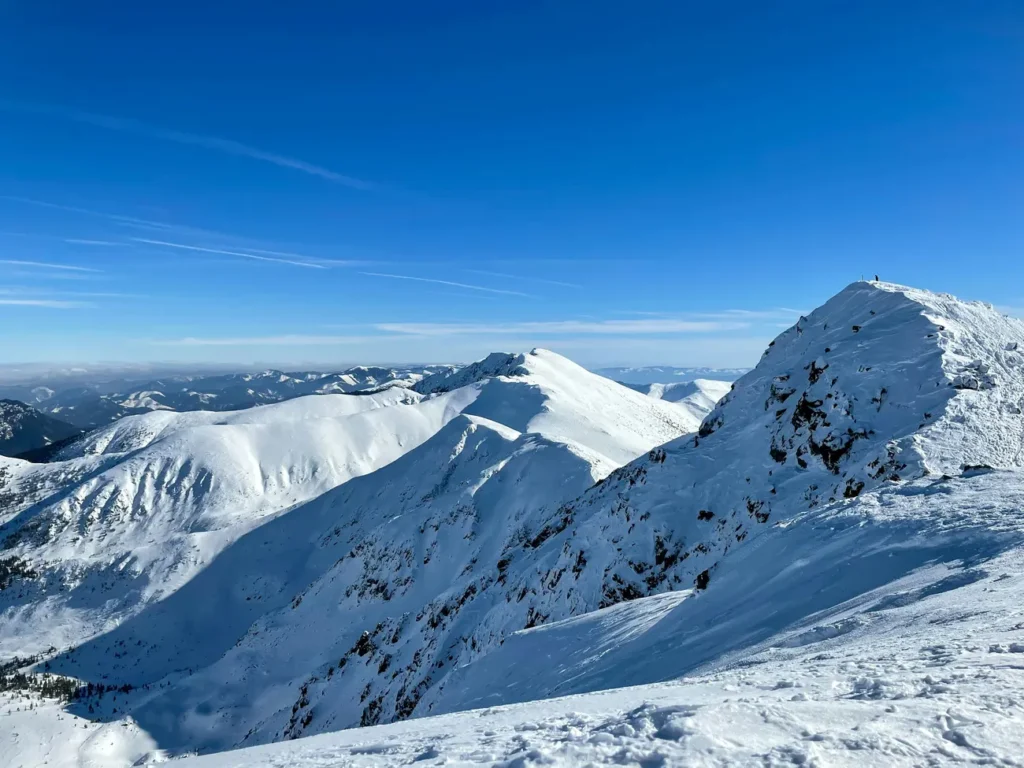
545	393
24	429
405	540
898	641
827	578
138	508
133	433
697	397
910	655
881	384
844	563
863	483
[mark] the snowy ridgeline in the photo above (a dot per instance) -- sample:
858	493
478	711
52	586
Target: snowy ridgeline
90	401
833	561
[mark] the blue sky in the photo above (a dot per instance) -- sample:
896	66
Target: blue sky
628	183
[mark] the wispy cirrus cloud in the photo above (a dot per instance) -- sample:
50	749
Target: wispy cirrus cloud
180	230
269	341
106	243
751	315
49	303
226	146
47	265
36	293
451	283
506	276
566	327
51	275
54	238
114	217
295	259
758	314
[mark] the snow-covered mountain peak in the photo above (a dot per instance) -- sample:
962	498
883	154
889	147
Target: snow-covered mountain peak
538	362
933	380
882	384
544	393
494	365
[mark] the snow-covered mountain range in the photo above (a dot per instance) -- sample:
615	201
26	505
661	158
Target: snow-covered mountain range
831	560
698	397
136	510
667	374
91	403
25	429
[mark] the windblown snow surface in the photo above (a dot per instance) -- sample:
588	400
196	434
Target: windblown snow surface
830	572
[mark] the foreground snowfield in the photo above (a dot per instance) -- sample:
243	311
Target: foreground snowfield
896	638
830	571
927	669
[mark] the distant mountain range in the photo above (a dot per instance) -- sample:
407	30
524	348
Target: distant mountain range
665	374
699	395
69	402
88	404
25	429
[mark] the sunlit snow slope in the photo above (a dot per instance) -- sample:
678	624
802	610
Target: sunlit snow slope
141	506
405	540
843	542
833	561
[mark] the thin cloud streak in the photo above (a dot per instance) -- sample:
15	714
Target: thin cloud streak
50	303
285	340
226	146
448	282
602	327
777	313
21	290
313	259
762	314
179	230
54	238
182	246
116	217
50	275
47	265
506	276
